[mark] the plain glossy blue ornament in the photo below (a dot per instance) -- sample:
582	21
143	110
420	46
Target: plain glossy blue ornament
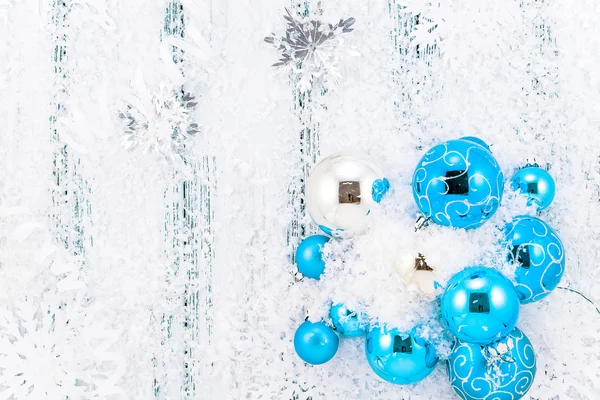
537	184
480	305
347	322
315	342
458	183
539	256
309	256
399	357
503	370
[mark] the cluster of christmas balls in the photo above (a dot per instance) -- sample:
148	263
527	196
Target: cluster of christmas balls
457	184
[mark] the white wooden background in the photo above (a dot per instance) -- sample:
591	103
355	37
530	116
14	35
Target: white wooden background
193	271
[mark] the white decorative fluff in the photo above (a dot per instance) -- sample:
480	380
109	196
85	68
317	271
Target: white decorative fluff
522	75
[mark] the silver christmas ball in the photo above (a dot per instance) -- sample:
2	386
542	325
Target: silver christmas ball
341	191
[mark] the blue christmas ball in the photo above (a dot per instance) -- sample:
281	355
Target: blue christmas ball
309	256
537	184
315	342
458	183
399	357
347	322
503	370
539	256
476	140
480	305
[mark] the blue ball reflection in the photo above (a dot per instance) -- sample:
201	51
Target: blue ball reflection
480	305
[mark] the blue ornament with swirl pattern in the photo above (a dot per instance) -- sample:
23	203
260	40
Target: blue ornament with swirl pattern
480	305
539	256
399	357
458	183
536	183
503	370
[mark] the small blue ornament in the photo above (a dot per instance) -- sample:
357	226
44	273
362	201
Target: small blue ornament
480	305
380	189
315	343
539	254
537	184
503	370
326	230
399	357
348	323
309	256
458	183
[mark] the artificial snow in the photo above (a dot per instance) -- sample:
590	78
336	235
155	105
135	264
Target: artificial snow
105	282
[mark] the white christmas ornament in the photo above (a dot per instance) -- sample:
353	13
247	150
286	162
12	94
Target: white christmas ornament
416	272
341	192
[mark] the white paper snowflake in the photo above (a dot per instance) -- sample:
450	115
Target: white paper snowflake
57	349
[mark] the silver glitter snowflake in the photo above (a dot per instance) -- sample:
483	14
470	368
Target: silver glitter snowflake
164	125
309	48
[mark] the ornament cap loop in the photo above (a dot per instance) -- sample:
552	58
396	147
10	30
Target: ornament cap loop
421	222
